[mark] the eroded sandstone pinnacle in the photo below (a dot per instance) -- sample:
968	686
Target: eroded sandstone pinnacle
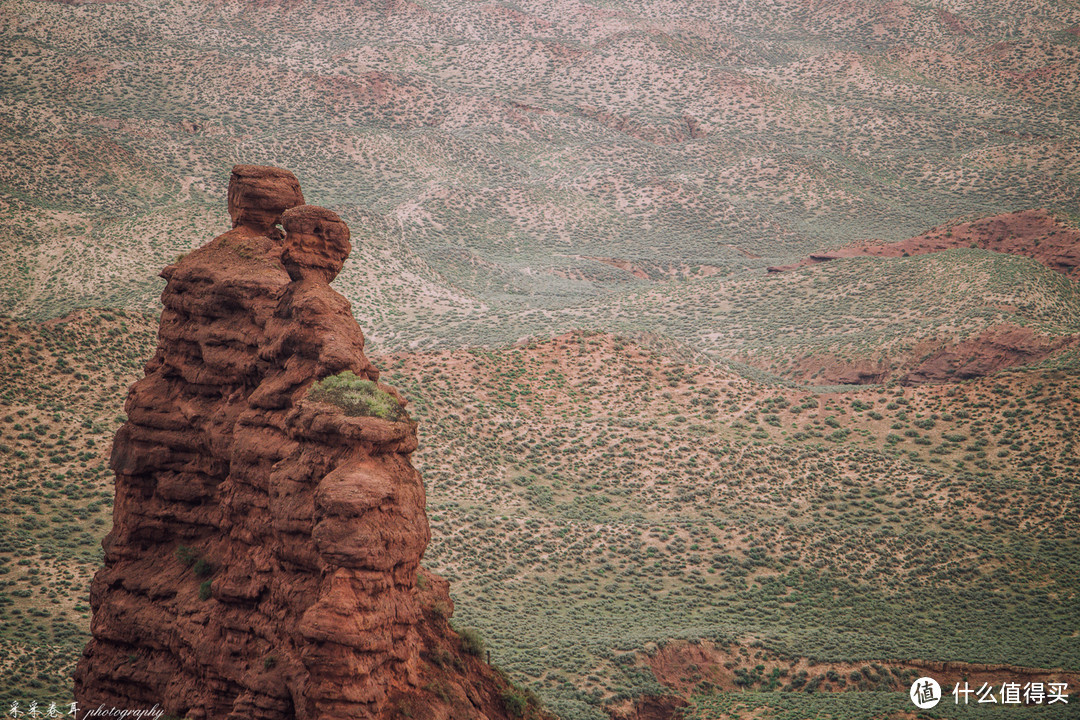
265	550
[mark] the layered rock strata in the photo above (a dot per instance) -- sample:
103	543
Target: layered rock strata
265	550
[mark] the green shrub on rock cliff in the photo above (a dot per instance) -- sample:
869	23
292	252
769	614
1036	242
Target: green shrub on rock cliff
357	396
471	641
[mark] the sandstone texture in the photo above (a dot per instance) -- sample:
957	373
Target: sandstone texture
264	560
259	194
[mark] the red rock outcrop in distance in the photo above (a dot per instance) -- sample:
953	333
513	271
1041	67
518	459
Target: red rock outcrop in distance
265	550
1030	233
937	360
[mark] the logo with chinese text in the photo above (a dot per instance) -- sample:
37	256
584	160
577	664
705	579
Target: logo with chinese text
925	693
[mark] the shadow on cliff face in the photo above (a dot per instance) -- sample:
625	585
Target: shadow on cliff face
264	560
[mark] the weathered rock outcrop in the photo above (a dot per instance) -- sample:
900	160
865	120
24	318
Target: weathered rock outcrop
265	550
997	348
936	359
1029	233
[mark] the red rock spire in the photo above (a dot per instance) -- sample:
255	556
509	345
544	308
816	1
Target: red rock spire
265	547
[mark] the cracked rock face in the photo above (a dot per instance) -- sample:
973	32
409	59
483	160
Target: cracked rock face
265	550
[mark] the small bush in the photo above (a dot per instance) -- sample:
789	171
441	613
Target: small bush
187	556
202	568
471	641
357	397
204	590
514	702
440	688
